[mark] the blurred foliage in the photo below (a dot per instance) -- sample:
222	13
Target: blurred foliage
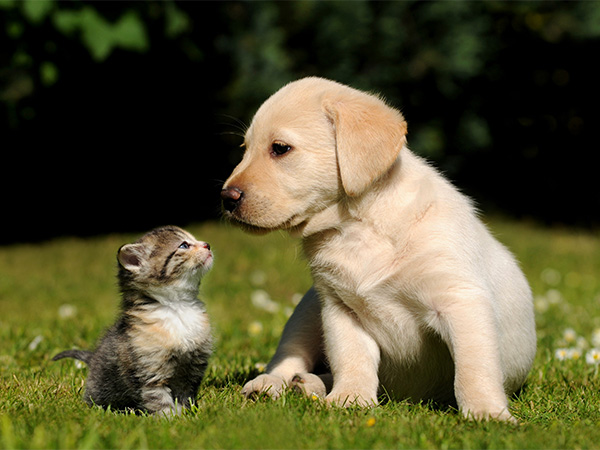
488	88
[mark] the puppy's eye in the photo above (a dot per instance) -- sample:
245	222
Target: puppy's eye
184	245
279	148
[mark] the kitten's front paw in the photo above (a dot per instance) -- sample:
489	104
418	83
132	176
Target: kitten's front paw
169	411
270	385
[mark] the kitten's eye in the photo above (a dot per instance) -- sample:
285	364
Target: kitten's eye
279	148
184	245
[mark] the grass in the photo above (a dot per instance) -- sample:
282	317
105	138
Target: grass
63	293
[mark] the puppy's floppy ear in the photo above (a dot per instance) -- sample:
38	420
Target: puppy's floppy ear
369	135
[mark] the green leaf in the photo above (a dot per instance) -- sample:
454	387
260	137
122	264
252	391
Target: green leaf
37	10
67	21
48	73
7	4
177	21
129	32
99	36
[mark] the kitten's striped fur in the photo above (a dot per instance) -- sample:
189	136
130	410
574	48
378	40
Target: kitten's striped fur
154	357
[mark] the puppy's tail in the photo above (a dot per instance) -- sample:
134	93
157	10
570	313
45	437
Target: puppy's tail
81	355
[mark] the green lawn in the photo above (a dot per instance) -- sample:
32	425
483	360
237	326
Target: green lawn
63	293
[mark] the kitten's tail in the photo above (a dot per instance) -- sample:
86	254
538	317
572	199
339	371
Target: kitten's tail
81	355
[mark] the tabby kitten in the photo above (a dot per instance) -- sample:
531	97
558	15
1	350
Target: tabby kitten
154	357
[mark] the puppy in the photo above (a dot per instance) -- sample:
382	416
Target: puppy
412	295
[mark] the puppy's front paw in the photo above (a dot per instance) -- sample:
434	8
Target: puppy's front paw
346	399
502	415
267	384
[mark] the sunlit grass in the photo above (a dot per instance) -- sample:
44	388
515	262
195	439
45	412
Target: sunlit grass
63	293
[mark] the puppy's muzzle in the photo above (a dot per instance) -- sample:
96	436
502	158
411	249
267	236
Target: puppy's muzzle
231	197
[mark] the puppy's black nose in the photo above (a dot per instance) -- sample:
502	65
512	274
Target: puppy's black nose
231	197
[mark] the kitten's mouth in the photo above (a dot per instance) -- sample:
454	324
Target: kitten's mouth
208	260
206	263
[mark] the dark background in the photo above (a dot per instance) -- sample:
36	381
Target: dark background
121	116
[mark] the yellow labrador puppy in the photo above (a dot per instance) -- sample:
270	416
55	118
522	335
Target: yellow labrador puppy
412	295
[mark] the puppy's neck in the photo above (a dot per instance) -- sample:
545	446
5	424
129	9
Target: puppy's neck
326	219
348	209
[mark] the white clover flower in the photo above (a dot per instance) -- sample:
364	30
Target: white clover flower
79	364
296	298
262	300
554	296
35	342
255	328
541	304
581	343
596	337
593	357
562	354
575	354
66	311
569	335
258	278
551	276
260	366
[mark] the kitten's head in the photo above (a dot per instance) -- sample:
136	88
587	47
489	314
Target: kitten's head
167	262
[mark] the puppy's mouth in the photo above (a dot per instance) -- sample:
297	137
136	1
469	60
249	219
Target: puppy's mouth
248	228
260	229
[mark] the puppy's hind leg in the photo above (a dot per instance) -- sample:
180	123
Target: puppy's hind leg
299	349
469	328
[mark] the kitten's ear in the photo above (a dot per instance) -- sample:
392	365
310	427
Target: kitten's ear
130	256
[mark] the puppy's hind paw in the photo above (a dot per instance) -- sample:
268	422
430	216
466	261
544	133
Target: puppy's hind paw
266	384
311	385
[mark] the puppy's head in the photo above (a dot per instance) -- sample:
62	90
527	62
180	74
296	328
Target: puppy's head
311	144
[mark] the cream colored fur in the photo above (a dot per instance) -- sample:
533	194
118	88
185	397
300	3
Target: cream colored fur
411	294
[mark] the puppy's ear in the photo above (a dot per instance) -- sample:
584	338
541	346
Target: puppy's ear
369	136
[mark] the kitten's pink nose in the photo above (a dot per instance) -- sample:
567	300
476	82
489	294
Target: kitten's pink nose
206	245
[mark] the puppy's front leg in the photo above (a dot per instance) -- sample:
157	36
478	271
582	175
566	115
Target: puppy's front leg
353	356
299	349
470	329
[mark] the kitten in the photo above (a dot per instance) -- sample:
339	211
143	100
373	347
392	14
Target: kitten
154	357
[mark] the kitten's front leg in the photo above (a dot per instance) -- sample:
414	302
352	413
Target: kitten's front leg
158	400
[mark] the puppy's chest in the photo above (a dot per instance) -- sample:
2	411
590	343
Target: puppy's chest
359	265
